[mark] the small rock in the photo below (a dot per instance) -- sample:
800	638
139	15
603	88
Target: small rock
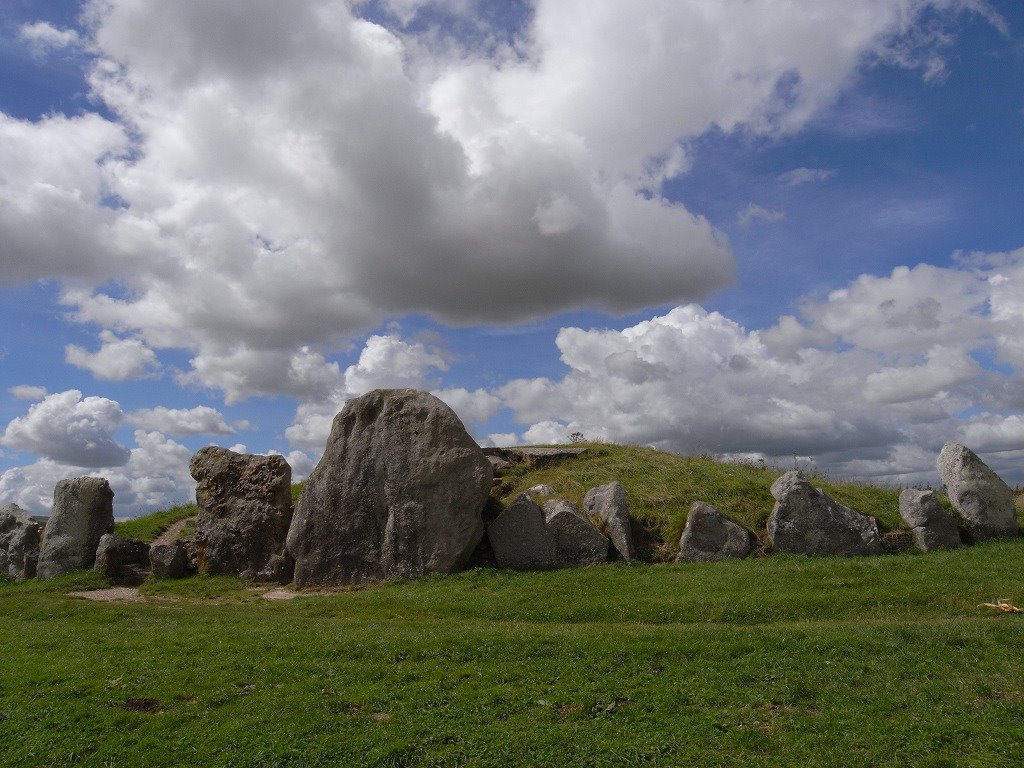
520	538
577	540
245	508
931	526
19	543
83	510
169	561
709	535
983	500
608	503
116	555
805	521
541	490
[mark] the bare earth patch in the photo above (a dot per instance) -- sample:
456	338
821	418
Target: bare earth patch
128	594
173	533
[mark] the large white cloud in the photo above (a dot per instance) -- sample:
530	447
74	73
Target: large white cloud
201	420
116	359
294	174
871	382
70	429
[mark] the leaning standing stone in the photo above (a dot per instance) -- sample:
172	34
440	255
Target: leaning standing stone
608	502
577	540
83	510
983	500
245	508
398	492
520	538
805	521
709	535
930	524
19	543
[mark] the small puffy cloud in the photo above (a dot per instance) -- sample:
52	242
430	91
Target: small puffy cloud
500	440
755	212
43	37
116	359
473	407
799	176
201	420
27	392
67	428
300	463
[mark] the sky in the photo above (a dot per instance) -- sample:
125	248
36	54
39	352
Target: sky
788	232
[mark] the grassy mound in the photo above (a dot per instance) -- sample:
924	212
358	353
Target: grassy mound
148	527
661	487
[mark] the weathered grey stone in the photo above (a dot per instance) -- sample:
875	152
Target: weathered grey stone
541	490
117	556
577	540
19	543
520	538
805	521
169	561
245	508
83	510
709	535
930	524
608	503
983	500
398	493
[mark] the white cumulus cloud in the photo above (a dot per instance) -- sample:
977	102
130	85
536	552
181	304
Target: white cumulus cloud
201	420
116	359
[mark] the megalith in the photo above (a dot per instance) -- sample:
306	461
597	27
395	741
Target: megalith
19	543
83	510
932	526
608	503
710	535
805	521
398	492
245	509
983	500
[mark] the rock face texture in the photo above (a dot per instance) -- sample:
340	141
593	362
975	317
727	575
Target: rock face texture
711	536
805	521
398	493
19	543
608	503
169	561
521	538
245	508
931	526
118	557
983	500
577	540
83	511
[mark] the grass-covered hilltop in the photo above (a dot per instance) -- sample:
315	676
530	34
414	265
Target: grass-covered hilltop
774	661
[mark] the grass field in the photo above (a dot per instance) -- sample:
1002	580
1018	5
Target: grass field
780	661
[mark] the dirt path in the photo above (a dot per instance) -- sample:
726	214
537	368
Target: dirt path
128	594
174	532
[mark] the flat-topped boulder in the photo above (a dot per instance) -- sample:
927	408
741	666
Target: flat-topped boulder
983	500
19	543
931	525
709	535
521	539
398	492
245	509
119	557
577	540
608	503
83	510
806	521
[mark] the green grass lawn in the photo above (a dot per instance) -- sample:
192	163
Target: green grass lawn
885	661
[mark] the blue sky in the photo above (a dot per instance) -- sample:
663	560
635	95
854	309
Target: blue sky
712	227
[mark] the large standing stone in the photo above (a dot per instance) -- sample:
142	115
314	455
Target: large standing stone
245	508
805	521
608	503
709	535
983	500
19	543
930	524
118	557
577	540
83	510
521	539
398	493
